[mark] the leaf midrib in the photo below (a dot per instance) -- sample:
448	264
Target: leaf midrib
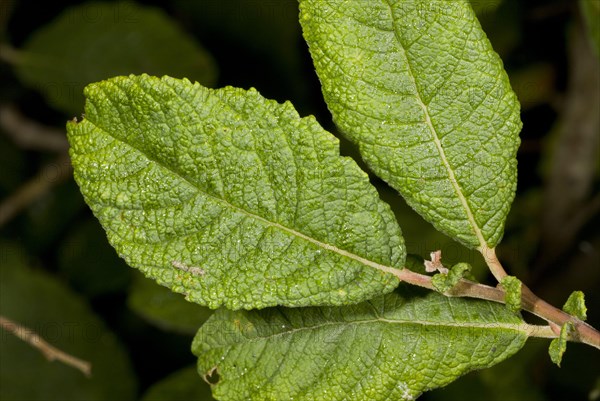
436	139
332	248
519	327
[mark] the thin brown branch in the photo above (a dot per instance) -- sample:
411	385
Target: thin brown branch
530	302
51	353
534	304
489	254
9	54
49	176
464	288
584	333
29	134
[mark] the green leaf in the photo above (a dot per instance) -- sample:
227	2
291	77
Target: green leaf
183	385
164	308
393	347
558	346
418	87
575	305
35	299
230	198
512	296
511	380
98	40
446	281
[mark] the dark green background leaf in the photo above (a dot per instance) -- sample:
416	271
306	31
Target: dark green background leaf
99	40
183	385
165	308
36	300
89	263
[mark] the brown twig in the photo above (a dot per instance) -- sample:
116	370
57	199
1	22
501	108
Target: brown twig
530	302
51	353
48	177
9	54
534	304
29	134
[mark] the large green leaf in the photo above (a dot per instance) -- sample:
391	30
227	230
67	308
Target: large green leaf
393	347
98	40
417	85
231	198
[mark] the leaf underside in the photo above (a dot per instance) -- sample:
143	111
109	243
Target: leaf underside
393	347
230	198
418	87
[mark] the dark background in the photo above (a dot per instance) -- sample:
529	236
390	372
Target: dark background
551	242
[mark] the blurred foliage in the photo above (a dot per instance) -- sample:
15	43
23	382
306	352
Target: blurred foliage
96	41
185	384
37	300
89	263
591	12
63	271
482	7
165	308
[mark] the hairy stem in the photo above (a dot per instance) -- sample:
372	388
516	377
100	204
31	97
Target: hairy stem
584	333
49	176
489	254
532	303
51	353
29	134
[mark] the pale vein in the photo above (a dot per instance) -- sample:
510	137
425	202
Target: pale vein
438	144
329	247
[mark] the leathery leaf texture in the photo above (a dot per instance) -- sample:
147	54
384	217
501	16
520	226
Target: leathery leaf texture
418	87
230	198
393	347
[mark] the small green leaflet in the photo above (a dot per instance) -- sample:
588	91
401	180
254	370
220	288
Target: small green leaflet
575	305
512	288
230	198
393	347
418	87
446	281
558	346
